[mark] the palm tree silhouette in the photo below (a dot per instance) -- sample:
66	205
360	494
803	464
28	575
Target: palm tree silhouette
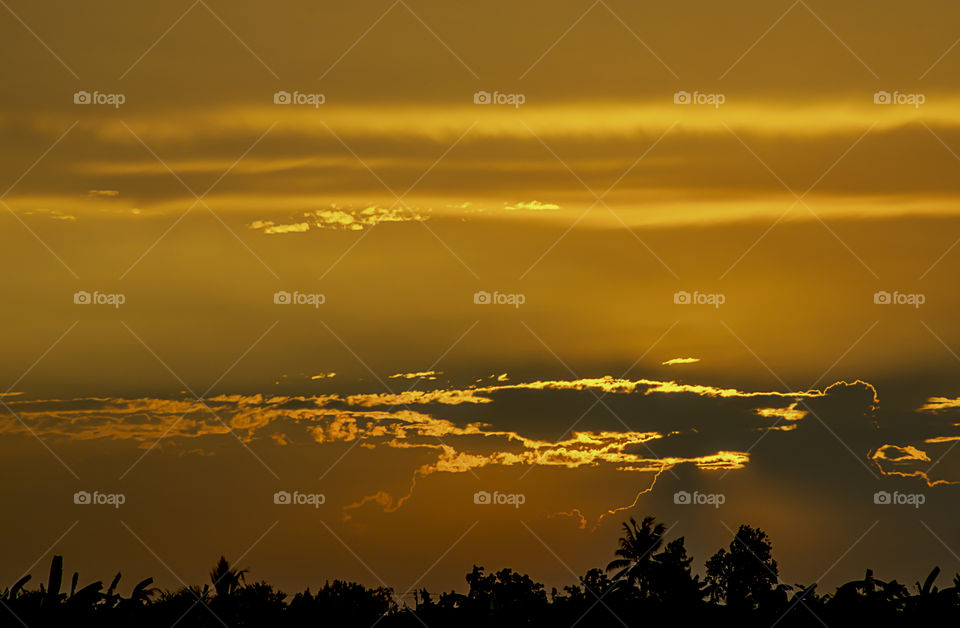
638	543
226	579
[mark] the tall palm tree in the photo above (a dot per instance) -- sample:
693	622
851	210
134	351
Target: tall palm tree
637	545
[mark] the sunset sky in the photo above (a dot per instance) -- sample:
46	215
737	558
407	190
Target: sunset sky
687	217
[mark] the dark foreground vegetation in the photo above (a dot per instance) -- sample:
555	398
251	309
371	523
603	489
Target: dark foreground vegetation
649	583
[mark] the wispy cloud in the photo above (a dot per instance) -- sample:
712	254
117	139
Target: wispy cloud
414	421
334	217
431	375
674	361
531	206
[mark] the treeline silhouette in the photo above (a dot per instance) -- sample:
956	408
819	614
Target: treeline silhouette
650	581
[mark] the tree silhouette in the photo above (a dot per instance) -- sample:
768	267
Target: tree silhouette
670	579
746	575
653	584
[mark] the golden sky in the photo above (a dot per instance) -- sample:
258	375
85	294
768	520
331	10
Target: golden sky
396	253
